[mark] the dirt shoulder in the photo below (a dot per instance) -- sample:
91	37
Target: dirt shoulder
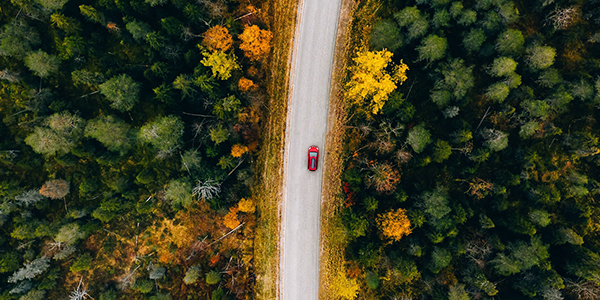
332	242
280	15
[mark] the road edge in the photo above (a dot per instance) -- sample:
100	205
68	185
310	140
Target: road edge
332	167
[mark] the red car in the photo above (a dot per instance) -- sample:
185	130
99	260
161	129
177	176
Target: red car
313	158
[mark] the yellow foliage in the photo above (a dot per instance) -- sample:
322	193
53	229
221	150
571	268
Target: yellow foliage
238	150
394	224
230	220
344	287
255	42
371	81
247	205
217	38
221	64
245	84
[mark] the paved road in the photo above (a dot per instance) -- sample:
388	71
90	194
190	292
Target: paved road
306	125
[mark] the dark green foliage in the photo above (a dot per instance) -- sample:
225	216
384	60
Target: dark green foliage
83	263
372	280
418	138
163	133
385	35
510	42
432	48
113	133
17	39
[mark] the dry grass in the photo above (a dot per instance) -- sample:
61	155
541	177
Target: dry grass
280	15
353	33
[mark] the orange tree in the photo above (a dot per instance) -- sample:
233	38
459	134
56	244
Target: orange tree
256	42
217	38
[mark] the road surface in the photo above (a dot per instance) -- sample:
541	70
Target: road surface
312	63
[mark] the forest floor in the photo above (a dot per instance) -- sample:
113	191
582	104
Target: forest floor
280	15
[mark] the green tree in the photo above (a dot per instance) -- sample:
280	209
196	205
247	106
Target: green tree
385	35
441	97
179	192
69	234
540	57
440	258
227	108
30	270
497	92
456	77
467	17
93	14
61	133
17	38
473	39
163	133
407	16
441	18
441	151
85	77
154	3
122	91
495	140
53	4
41	63
218	134
83	263
34	295
510	42
432	48
536	108
418	28
457	292
549	78
113	133
192	274
144	286
435	203
503	66
528	129
213	277
418	138
138	29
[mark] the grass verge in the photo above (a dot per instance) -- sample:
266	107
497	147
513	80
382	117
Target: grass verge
280	15
353	33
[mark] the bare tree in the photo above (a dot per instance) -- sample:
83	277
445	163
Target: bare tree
207	189
562	18
81	292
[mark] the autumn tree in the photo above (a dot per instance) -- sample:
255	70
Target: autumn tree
371	81
122	91
245	84
256	42
247	205
217	38
344	287
238	150
231	220
394	224
221	63
55	189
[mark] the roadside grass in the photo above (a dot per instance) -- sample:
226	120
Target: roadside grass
353	33
280	15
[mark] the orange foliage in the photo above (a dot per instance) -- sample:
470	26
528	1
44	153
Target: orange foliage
245	84
247	205
214	260
252	71
238	150
112	26
55	189
255	42
231	220
353	271
394	224
217	38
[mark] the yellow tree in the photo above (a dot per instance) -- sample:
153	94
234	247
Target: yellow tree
221	64
344	287
255	42
217	38
394	224
371	81
247	205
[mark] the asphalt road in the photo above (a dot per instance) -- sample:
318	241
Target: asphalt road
312	63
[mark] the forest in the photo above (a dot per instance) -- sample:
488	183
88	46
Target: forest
127	141
472	150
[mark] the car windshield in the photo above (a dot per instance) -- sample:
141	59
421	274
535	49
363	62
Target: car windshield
312	163
312	154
